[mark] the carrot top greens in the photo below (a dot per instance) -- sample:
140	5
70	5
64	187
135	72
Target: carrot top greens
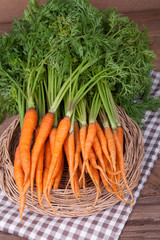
45	48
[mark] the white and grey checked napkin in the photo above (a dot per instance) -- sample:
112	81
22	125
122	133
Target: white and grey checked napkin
106	224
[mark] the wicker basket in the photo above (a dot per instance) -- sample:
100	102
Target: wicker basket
64	203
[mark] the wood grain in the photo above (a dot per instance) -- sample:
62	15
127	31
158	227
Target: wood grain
144	221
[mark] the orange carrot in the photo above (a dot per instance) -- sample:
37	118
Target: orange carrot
76	183
110	176
58	165
80	171
52	137
113	188
39	173
111	145
121	162
82	136
91	133
93	178
80	164
44	130
81	181
26	186
59	176
120	135
19	179
93	162
47	160
66	148
98	151
105	183
103	142
118	178
55	172
74	175
29	124
77	145
71	151
62	132
77	137
97	183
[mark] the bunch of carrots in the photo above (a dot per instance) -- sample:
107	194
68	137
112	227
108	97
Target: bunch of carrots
81	127
59	65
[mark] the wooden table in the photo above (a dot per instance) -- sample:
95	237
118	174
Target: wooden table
144	221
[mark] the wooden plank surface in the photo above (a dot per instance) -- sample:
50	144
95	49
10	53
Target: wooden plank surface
144	221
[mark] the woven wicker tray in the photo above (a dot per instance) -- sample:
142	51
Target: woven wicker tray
133	154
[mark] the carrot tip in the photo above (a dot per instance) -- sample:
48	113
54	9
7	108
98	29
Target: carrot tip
21	219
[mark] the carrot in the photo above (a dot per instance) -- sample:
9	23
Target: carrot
121	162
82	137
58	165
110	176
26	186
19	179
113	188
108	169
71	151
47	160
91	133
77	144
66	148
74	175
62	132
98	151
39	173
92	176
105	183
118	178
120	135
59	176
111	145
81	181
39	179
52	137
55	172
83	134
29	124
97	183
80	163
103	142
49	202
44	130
80	171
92	159
76	183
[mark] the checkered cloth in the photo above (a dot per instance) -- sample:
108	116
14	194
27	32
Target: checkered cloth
106	224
